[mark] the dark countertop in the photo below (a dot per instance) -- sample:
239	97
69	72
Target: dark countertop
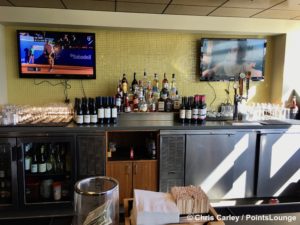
156	125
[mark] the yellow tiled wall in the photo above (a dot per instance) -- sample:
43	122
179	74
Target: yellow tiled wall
120	51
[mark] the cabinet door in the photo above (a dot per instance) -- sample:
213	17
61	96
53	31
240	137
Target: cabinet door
171	165
279	168
145	175
8	173
122	172
47	170
209	163
91	155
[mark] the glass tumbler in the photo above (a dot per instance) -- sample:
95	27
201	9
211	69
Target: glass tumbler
96	201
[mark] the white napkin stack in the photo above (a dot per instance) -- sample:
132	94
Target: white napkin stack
153	208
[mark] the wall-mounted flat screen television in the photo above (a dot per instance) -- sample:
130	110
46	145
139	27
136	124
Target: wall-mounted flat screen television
63	55
226	59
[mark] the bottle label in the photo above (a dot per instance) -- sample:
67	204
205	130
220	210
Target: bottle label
124	87
202	114
161	106
27	163
114	113
107	113
182	114
87	118
49	166
42	167
188	114
94	119
176	104
195	114
118	102
34	168
101	113
79	119
127	109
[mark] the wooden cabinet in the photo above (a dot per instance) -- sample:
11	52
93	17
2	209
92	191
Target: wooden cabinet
140	174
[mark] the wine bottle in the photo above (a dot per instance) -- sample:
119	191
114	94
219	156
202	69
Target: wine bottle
86	111
34	163
114	111
42	167
182	110
28	158
79	116
93	111
100	110
107	111
293	108
188	111
202	109
195	109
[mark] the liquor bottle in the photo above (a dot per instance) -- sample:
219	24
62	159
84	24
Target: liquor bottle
27	158
182	110
195	109
107	111
79	116
93	111
86	111
188	111
176	102
34	163
143	107
134	83
155	84
293	108
51	163
114	111
135	102
59	161
165	82
119	100
161	102
42	168
202	108
145	82
100	110
168	104
127	107
124	84
173	88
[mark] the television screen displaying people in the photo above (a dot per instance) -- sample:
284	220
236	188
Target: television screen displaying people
226	59
45	54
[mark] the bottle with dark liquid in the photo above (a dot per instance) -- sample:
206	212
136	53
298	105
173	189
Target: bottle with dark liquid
202	109
293	108
165	82
79	116
42	167
124	84
107	111
93	111
34	163
86	111
188	111
134	83
119	100
182	110
100	110
195	109
114	111
76	104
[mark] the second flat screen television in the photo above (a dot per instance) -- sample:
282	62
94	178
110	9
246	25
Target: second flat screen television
226	59
63	55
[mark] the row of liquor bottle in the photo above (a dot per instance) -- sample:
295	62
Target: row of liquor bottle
147	96
46	158
193	109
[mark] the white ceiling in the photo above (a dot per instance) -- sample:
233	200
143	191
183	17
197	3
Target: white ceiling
271	9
